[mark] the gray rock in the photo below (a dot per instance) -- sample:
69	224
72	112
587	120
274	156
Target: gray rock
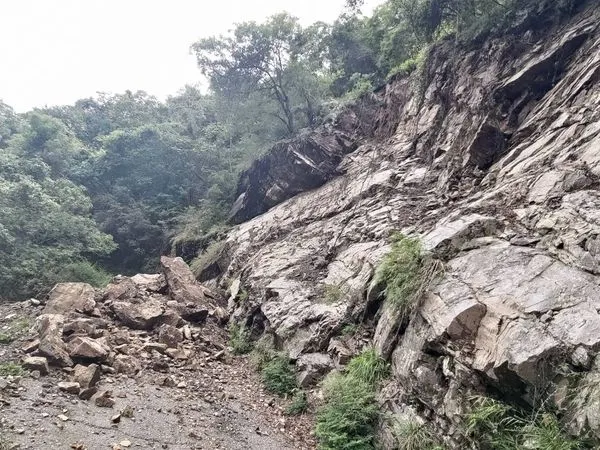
142	316
126	364
312	367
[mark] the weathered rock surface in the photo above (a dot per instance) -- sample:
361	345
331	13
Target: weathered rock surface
69	298
38	363
495	167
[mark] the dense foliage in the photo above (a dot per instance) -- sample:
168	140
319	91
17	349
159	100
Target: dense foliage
154	174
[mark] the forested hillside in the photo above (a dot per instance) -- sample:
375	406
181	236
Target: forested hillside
108	184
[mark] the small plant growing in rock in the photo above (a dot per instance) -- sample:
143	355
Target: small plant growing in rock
405	273
332	293
349	330
211	255
239	339
278	376
11	369
299	404
495	425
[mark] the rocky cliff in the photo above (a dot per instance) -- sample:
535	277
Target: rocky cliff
491	156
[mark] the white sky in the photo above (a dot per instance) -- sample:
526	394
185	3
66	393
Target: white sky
57	51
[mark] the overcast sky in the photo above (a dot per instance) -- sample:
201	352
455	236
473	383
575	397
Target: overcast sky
57	51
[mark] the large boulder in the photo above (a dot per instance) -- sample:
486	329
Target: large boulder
87	349
50	329
182	284
68	298
142	315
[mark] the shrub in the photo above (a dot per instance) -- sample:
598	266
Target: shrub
349	330
278	376
239	339
85	272
263	352
349	416
211	255
11	369
299	404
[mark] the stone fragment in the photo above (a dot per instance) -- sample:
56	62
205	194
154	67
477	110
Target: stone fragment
38	363
126	364
86	394
50	329
88	349
104	400
170	336
70	387
87	376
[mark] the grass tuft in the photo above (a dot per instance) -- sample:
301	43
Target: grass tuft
349	417
415	436
299	404
11	369
405	273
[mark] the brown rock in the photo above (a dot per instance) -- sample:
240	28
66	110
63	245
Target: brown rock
178	353
105	400
170	336
88	349
149	346
31	347
38	363
86	394
70	387
50	329
127	364
87	376
141	316
182	284
66	298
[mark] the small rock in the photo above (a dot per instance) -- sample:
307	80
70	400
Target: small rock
34	302
88	393
30	347
116	418
36	363
127	364
70	387
125	443
63	417
170	336
87	376
181	385
105	400
149	346
20	430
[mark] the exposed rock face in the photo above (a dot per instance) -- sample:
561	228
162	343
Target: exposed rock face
495	167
